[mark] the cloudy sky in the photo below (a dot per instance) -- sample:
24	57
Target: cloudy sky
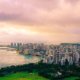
51	21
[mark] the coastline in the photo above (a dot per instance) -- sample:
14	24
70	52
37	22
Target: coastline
13	58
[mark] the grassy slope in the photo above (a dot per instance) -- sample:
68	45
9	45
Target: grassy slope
71	78
29	76
23	76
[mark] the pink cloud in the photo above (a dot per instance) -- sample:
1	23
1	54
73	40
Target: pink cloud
40	12
72	1
52	18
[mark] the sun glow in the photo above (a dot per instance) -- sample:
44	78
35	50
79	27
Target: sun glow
13	30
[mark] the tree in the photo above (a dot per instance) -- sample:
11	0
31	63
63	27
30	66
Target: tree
66	62
79	61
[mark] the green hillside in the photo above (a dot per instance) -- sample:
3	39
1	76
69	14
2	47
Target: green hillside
23	76
72	78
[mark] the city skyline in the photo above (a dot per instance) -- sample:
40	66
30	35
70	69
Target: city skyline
51	21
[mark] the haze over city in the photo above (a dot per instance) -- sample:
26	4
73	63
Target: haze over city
53	21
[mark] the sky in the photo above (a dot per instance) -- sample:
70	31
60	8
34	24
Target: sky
49	21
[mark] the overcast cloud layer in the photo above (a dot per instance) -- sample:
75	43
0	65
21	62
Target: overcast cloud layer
51	20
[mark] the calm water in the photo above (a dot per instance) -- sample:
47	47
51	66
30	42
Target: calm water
8	58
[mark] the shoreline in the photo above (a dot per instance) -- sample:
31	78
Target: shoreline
33	59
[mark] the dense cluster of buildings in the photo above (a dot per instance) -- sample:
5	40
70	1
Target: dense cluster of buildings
51	53
63	52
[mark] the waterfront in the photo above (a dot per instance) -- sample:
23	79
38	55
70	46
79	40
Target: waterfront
12	57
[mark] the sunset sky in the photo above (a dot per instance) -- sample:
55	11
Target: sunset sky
50	21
